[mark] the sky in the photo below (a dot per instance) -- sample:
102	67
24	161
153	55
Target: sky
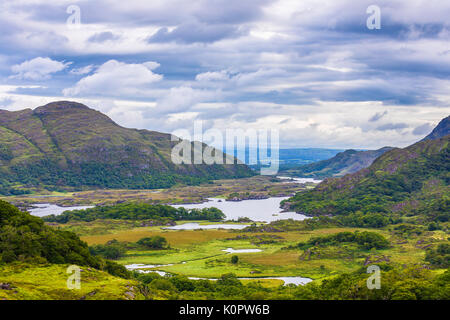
311	69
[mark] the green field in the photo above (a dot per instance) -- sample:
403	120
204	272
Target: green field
198	253
49	282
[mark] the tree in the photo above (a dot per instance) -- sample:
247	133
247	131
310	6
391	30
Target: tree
156	242
234	259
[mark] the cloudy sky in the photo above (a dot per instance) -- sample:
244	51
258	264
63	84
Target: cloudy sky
310	68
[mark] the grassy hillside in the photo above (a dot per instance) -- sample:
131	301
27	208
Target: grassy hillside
68	144
343	163
23	281
411	182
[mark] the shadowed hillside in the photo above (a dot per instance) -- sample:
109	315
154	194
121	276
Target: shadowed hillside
413	182
345	162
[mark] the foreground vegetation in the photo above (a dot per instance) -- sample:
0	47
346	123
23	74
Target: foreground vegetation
414	258
24	281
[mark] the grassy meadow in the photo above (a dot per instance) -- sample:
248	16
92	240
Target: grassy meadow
199	253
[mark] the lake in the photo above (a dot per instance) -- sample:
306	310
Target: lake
287	280
195	226
46	209
264	210
298	180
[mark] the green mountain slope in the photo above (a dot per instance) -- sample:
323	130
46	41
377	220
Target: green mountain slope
68	144
343	163
411	182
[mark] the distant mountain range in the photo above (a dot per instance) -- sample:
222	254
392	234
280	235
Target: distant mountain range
291	157
343	163
351	161
412	182
66	144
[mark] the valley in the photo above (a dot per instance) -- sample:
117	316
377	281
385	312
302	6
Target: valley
228	233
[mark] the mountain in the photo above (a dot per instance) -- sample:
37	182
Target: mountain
68	144
441	130
412	182
345	162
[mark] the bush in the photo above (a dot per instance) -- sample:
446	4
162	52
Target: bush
156	242
366	240
137	211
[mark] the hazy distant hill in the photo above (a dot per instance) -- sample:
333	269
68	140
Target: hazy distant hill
345	162
293	156
68	144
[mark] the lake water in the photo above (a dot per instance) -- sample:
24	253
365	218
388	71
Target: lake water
264	210
46	209
231	250
138	266
298	180
287	280
194	226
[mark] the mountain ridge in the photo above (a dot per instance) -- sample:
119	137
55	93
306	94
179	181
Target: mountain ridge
62	142
441	130
348	161
412	182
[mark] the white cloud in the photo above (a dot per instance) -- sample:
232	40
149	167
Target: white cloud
115	78
38	68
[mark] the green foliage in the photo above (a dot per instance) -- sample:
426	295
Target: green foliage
439	257
294	225
137	211
156	242
114	249
25	237
366	240
407	230
234	259
412	283
5	153
366	220
111	250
